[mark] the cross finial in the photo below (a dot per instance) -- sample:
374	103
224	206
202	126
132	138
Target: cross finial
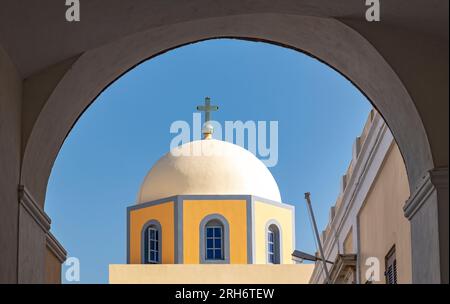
207	109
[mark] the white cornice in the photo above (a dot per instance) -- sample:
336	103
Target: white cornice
371	156
364	163
434	179
29	204
34	210
55	247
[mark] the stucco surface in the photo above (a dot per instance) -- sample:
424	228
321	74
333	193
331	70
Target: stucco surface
210	274
208	167
382	224
52	70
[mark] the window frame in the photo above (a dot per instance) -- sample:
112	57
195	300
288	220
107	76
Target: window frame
271	253
391	261
146	242
211	221
273	227
154	240
214	249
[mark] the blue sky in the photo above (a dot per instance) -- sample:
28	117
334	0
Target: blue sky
103	161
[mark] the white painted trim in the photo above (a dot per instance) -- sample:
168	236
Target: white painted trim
30	205
365	170
437	178
55	247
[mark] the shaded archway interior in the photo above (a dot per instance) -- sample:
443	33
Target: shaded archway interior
51	70
327	40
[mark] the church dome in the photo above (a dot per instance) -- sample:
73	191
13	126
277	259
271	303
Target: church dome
208	167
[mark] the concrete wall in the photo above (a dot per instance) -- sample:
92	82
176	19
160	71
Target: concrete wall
52	268
368	217
32	248
24	226
212	274
10	141
382	224
348	243
426	209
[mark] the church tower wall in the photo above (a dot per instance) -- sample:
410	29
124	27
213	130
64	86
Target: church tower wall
233	211
160	212
281	215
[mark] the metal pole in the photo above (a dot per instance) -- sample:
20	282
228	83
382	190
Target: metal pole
308	203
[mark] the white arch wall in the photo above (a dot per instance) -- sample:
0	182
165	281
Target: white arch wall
330	40
50	72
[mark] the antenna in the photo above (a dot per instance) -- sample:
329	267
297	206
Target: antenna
324	262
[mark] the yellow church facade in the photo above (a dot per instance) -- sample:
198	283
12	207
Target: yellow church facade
209	211
244	222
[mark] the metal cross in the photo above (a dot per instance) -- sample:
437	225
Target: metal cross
207	108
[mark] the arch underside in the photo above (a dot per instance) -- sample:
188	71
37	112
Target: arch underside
328	40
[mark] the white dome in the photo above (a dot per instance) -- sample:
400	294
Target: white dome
208	167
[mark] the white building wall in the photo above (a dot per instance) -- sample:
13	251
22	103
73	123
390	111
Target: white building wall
366	165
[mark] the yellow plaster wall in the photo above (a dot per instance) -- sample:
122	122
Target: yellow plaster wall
235	211
164	213
210	274
382	223
263	213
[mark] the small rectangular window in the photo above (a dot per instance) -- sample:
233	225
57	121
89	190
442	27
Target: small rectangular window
214	240
209	232
271	247
153	245
218	232
391	267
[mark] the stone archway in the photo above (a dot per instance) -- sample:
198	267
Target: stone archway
372	57
329	40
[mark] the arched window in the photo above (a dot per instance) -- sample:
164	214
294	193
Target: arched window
151	240
273	244
214	239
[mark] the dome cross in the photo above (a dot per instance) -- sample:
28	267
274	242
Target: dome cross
207	109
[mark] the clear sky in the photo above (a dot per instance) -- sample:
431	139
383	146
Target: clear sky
104	159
